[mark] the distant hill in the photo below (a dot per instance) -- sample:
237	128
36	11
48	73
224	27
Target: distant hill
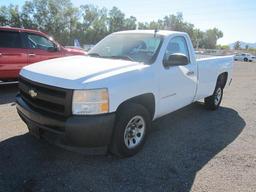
243	44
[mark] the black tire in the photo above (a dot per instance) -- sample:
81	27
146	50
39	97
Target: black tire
246	59
124	115
211	102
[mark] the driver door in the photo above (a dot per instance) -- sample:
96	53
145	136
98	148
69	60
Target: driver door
177	83
41	48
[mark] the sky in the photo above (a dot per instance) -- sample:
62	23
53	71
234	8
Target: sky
235	18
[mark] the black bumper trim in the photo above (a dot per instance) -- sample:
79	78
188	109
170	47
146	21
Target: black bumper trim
75	133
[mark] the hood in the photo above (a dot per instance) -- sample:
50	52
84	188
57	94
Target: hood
72	72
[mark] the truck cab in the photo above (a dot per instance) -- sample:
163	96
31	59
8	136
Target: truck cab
21	47
106	100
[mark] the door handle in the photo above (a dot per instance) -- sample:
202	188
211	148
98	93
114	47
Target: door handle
190	73
31	54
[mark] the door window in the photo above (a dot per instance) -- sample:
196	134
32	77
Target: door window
40	42
10	39
177	45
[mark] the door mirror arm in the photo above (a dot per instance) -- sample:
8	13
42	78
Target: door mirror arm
52	49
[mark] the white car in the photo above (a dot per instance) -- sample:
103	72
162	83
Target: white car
107	100
253	58
244	57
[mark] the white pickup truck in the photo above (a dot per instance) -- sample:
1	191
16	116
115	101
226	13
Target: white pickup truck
106	101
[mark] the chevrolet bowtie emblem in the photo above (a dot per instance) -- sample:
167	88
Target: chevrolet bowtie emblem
32	93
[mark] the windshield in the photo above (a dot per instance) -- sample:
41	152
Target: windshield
134	47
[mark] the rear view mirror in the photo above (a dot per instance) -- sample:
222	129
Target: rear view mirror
176	59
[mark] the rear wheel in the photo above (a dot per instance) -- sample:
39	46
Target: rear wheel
133	122
213	102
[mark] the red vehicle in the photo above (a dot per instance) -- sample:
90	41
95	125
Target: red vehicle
20	47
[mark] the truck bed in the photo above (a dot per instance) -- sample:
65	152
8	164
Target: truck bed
209	68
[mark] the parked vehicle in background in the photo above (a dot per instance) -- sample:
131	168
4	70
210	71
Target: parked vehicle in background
20	47
243	57
107	100
74	47
88	47
253	58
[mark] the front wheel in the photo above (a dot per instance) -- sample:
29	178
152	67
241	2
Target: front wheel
133	122
213	102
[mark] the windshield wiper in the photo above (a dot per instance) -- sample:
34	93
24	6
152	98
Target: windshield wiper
94	55
125	57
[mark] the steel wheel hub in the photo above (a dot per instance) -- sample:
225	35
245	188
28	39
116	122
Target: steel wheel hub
134	132
218	96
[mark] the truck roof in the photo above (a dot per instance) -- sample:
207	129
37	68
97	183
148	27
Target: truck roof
160	32
21	30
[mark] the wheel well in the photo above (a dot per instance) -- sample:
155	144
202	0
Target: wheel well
222	79
147	100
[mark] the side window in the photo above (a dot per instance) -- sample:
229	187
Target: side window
177	45
40	42
10	39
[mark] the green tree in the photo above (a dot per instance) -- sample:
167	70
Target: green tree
94	24
223	47
27	16
237	45
48	16
197	38
143	25
3	16
116	20
210	38
89	13
14	16
90	24
130	23
10	15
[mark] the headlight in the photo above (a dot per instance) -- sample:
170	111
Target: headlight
89	102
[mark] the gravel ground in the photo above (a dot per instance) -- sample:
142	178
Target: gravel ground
190	150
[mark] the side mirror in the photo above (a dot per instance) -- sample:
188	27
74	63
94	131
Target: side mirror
52	49
176	59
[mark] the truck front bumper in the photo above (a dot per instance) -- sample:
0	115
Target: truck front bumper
84	134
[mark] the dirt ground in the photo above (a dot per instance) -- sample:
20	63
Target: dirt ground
190	150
